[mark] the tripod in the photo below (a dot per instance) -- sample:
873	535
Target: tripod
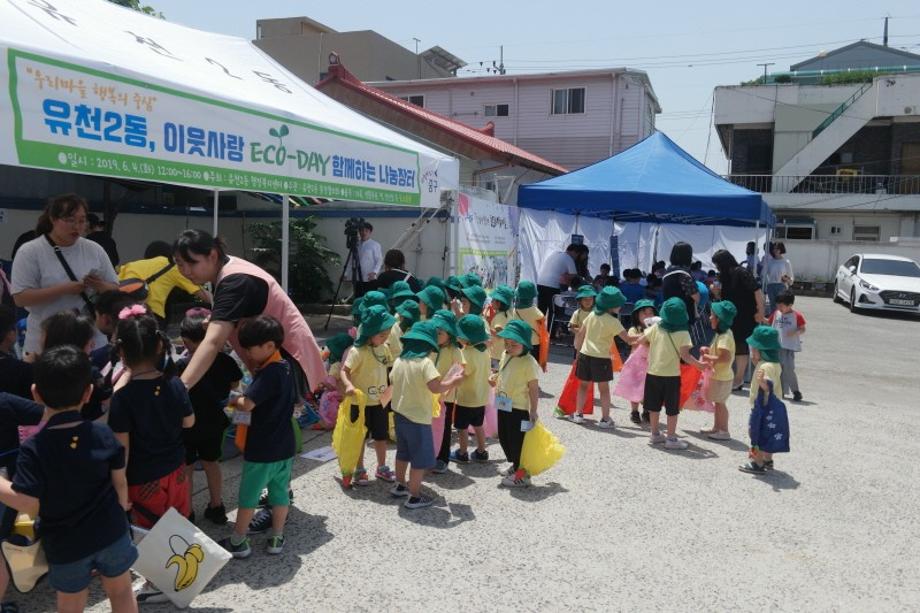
356	276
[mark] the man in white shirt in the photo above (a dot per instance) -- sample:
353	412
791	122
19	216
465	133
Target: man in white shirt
555	274
370	255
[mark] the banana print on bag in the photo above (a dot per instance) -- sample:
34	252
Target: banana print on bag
186	562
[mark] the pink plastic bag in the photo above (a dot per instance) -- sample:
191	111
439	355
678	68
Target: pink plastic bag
697	400
329	408
631	382
490	423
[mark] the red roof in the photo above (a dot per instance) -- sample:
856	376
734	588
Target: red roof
480	138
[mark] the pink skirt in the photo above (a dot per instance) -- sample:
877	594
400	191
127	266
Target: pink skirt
631	382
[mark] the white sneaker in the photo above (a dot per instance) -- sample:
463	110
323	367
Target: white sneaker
675	443
510	481
720	436
708	431
606	423
577	418
657	438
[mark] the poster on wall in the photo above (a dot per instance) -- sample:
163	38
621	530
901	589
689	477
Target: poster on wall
487	240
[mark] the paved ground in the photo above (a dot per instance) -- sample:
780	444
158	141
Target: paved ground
619	525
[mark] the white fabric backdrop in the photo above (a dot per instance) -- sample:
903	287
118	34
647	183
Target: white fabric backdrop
706	240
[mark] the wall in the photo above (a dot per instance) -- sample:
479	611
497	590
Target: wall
817	261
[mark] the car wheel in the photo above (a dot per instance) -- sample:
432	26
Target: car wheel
837	293
853	307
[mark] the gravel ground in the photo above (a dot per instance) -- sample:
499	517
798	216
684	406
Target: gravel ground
619	525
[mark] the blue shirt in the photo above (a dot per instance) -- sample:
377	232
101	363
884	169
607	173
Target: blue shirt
271	434
151	412
69	470
633	292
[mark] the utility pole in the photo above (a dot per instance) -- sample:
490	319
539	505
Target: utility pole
765	64
885	35
418	58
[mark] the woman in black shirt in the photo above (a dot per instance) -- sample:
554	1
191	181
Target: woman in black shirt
740	287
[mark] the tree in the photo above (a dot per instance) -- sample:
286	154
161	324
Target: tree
137	6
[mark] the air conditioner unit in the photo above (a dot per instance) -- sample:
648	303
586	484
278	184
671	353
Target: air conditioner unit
910	110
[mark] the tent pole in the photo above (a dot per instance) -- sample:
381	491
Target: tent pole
285	239
216	211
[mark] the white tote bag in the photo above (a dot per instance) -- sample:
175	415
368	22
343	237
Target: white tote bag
178	558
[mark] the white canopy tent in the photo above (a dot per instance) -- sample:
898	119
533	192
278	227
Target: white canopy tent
94	88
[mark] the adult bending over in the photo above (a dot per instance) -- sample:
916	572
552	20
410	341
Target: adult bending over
740	287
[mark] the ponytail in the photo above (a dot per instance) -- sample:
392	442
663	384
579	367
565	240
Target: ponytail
138	338
59	207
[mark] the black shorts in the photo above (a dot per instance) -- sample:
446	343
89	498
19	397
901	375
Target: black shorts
205	441
590	368
464	417
376	418
662	391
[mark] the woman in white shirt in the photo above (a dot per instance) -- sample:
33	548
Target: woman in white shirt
777	272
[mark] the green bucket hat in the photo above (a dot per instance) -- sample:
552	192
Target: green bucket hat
476	295
374	298
518	330
432	296
409	311
645	303
472	329
674	315
766	340
453	284
525	294
337	346
503	294
608	298
438	282
726	312
399	291
470	279
356	308
374	320
445	320
425	332
585	291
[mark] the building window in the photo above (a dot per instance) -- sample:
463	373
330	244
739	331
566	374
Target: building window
416	100
568	101
804	232
496	110
866	233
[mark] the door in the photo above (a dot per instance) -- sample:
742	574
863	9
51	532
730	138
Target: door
846	278
910	169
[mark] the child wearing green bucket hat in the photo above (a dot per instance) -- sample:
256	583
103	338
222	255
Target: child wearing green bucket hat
430	299
594	342
719	355
365	368
473	392
448	356
415	378
472	300
669	343
500	315
764	344
407	313
399	292
524	310
517	391
585	297
631	383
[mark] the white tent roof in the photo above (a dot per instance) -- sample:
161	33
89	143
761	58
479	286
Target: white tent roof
98	89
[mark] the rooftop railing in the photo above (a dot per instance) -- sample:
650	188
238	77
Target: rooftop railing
830	184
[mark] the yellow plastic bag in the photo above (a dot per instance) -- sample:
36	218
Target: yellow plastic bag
436	405
541	450
348	436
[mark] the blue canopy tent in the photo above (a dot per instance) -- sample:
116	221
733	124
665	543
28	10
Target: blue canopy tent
652	181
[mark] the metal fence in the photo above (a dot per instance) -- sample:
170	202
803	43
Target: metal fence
829	184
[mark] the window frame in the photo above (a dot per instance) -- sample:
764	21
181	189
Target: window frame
568	100
495	108
408	98
861	231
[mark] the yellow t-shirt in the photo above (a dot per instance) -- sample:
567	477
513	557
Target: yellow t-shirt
411	397
368	369
664	351
531	315
725	340
578	318
473	391
600	330
514	375
394	341
447	357
335	370
499	321
772	372
159	290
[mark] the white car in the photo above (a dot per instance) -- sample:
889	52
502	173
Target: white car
879	282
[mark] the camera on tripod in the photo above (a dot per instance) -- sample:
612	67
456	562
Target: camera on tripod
353	226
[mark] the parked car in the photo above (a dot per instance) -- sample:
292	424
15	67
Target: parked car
879	282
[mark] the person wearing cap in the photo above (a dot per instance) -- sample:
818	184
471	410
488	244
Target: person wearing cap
517	391
407	314
594	342
441	284
500	309
719	355
473	392
765	345
365	368
585	297
336	347
472	300
669	343
631	382
470	279
400	291
415	378
449	355
430	299
524	310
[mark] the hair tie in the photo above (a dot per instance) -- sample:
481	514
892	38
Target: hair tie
135	310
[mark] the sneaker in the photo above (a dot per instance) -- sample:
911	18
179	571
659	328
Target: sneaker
513	481
767	464
719	436
459	458
675	443
440	467
360	477
418	502
147	594
399	491
657	438
635	418
385	474
216	515
507	471
275	544
752	468
481	456
559	413
263	499
243	550
797	396
708	431
261	521
606	424
645	417
577	418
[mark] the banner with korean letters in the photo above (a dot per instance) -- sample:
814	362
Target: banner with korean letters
487	240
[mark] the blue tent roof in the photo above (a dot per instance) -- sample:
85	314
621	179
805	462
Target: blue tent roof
654	180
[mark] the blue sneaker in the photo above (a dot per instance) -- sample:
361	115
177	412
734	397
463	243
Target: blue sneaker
460	458
440	467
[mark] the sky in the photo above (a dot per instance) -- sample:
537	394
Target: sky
687	48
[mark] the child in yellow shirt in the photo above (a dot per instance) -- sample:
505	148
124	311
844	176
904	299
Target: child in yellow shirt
365	368
585	297
502	301
719	355
525	311
473	392
449	354
430	299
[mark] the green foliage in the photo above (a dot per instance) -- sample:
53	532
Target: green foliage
137	6
854	76
308	279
